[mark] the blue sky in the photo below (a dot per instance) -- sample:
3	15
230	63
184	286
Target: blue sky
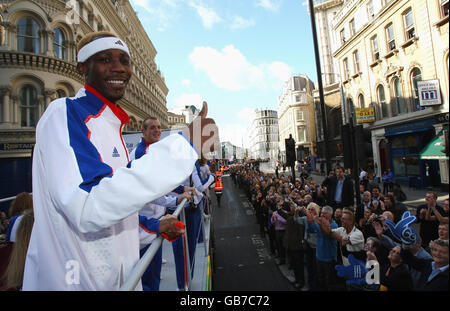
234	54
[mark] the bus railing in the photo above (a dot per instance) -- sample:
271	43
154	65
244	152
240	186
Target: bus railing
139	269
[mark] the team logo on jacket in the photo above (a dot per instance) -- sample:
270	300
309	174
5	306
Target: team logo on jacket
115	153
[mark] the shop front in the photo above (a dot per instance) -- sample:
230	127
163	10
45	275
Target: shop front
405	142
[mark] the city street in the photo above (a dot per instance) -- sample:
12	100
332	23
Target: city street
242	258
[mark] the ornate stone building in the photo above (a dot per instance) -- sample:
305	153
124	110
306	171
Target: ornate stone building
387	49
296	116
38	64
264	138
176	120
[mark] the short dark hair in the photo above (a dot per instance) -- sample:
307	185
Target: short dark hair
144	123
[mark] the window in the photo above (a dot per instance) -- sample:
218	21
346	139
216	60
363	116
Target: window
298	98
370	11
342	35
299	115
375	50
301	134
61	93
416	75
356	64
59	46
409	24
382	101
352	27
28	38
390	37
361	101
346	70
398	99
444	8
28	106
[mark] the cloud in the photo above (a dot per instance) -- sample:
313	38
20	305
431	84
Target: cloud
186	100
230	70
246	114
208	16
270	5
235	133
186	82
161	12
239	22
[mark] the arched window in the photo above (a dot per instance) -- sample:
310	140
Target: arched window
28	106
28	36
361	101
398	106
382	101
61	93
416	75
59	45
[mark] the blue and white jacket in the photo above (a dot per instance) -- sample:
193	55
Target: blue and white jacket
149	216
86	200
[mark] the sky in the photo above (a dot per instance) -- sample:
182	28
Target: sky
233	54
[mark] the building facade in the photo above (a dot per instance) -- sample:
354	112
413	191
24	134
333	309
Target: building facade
296	116
176	120
38	41
387	50
264	138
325	11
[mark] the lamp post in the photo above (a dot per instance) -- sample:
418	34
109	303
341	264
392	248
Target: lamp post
319	80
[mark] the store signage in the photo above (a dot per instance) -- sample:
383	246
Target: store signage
365	115
16	146
429	93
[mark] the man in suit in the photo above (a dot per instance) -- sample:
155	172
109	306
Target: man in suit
341	190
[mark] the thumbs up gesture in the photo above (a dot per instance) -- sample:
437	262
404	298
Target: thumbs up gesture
203	133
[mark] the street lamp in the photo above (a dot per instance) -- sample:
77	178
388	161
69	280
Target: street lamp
319	80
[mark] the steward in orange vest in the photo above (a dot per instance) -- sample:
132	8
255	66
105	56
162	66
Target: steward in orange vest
218	188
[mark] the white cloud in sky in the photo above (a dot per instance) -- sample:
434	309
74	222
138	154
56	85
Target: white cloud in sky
229	69
163	12
208	16
271	5
246	114
235	133
186	99
238	22
186	82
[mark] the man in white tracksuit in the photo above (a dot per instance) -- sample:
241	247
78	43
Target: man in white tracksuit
86	200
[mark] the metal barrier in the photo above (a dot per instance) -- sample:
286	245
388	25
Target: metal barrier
7	199
139	269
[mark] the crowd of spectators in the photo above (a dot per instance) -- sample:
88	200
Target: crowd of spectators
317	230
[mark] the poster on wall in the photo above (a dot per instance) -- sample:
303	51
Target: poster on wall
365	115
429	93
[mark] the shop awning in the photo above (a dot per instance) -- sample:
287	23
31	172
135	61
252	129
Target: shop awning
433	151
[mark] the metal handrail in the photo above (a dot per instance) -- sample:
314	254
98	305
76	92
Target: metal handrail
7	199
139	269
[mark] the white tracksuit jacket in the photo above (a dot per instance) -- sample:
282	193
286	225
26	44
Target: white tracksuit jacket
86	200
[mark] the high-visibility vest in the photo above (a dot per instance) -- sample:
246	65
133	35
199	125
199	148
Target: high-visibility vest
219	185
219	173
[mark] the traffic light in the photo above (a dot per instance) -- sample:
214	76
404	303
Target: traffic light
290	151
347	145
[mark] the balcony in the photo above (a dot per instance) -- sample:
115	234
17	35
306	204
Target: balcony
30	61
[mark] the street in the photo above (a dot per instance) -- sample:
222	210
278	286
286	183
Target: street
242	258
